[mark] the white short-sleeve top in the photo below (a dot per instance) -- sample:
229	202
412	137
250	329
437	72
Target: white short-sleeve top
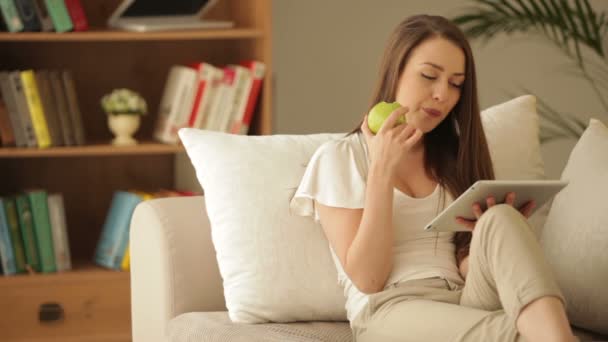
336	176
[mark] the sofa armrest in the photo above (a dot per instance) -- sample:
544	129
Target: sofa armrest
173	265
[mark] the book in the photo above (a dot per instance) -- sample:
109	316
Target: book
110	247
10	209
126	259
176	103
22	107
258	70
6	246
28	15
59	15
46	23
32	97
42	230
26	224
222	104
7	137
11	106
61	245
11	17
209	77
61	103
73	108
49	107
243	84
77	15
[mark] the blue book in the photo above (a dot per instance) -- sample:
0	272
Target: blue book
6	247
110	248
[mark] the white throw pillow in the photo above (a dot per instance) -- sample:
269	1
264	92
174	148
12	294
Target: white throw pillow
277	267
575	238
512	132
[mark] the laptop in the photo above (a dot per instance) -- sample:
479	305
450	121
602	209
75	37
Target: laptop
162	15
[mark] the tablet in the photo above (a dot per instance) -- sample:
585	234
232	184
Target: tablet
156	15
540	191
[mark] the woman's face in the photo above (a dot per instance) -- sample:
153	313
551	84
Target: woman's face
431	82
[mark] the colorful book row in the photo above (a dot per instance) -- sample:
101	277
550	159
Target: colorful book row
42	15
39	108
33	233
201	95
113	247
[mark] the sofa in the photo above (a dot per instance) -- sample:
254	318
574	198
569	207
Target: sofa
176	288
240	265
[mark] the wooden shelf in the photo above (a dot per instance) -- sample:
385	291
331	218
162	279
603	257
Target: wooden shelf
115	35
82	271
142	148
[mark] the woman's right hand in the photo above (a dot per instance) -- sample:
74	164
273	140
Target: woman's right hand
392	142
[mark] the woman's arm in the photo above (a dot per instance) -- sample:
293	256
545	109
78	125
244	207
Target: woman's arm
363	238
464	267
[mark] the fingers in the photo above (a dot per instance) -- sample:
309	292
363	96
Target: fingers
510	198
527	208
469	224
477	211
490	201
392	119
365	129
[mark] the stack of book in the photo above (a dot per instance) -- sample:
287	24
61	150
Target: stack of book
33	233
42	15
39	109
113	247
201	95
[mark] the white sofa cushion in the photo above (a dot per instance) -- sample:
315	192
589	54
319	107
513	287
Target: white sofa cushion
277	267
575	238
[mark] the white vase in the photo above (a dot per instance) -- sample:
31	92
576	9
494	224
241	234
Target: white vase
123	126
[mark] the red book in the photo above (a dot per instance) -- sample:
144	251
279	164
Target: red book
258	70
204	93
79	19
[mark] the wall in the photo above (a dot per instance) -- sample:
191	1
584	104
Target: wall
326	55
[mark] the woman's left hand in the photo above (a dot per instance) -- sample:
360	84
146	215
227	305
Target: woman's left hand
525	209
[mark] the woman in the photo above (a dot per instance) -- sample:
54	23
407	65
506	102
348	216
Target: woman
373	195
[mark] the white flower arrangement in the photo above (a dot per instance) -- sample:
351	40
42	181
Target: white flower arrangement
124	101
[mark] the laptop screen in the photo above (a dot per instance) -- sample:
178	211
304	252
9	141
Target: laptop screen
153	8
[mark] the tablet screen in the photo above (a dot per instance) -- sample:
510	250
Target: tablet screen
154	8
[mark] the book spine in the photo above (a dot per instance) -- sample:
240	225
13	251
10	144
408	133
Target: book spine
32	96
46	24
42	229
59	15
11	106
73	107
27	12
77	15
13	224
176	103
7	136
49	107
6	246
243	89
61	245
26	224
11	16
214	92
58	93
22	108
202	91
110	251
258	70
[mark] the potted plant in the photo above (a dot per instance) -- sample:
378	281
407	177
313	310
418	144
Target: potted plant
574	27
124	109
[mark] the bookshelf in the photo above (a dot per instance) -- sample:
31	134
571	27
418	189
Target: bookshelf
96	301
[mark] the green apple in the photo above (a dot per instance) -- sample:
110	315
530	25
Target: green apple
380	112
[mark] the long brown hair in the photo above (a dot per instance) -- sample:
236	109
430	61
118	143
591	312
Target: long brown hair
456	151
